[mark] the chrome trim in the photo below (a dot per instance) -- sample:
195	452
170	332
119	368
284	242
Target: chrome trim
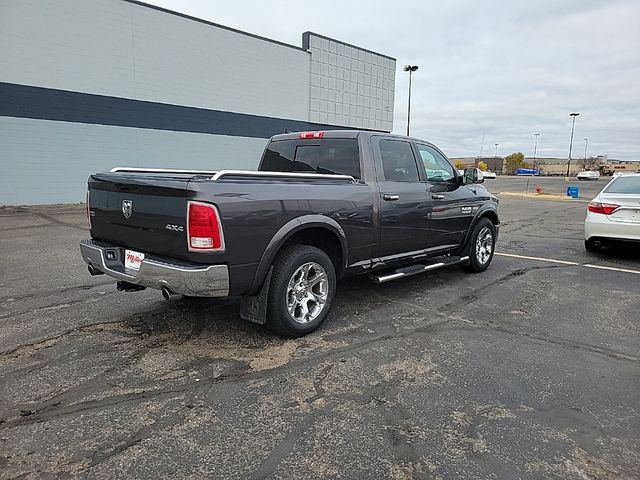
294	175
217	175
306	296
426	268
160	170
196	281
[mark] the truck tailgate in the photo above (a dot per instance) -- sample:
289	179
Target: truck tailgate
146	213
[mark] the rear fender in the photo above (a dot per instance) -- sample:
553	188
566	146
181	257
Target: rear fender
289	229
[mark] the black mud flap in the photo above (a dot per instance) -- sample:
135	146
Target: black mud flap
254	308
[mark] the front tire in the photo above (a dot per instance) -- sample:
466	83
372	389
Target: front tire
482	244
302	289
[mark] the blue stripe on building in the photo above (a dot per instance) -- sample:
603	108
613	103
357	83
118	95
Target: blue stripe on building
25	101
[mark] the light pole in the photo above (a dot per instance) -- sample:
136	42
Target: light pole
586	140
535	148
573	124
481	147
496	144
410	69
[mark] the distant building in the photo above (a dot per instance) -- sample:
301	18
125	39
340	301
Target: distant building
552	165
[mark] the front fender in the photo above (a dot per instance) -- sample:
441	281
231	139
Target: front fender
486	210
286	231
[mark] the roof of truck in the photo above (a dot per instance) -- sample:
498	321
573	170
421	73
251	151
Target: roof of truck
343	134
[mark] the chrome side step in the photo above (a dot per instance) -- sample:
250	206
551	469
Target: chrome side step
416	269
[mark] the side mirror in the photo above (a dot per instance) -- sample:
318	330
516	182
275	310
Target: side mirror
472	175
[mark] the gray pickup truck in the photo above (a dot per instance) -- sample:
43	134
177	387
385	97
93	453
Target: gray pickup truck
322	205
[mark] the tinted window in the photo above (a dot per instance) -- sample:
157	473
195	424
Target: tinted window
338	156
630	185
436	167
398	162
278	157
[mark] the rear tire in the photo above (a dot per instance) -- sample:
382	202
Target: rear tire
590	246
482	244
302	289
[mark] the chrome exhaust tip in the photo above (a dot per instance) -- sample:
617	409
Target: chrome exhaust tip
167	293
93	271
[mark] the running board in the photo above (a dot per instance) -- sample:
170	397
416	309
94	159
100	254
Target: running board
416	269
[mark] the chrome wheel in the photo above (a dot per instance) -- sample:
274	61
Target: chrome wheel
307	292
484	245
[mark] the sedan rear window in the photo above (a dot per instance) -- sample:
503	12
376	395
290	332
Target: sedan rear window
629	185
339	156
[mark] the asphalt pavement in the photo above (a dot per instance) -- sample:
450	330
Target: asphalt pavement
529	370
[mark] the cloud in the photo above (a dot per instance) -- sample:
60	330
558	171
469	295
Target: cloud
507	69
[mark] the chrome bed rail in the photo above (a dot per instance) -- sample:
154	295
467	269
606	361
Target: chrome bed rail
218	175
292	175
160	170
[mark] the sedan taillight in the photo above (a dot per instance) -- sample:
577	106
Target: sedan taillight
204	231
602	208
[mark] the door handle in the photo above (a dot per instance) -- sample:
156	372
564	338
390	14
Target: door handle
391	196
437	196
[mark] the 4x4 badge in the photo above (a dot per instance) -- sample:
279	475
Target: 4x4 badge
127	208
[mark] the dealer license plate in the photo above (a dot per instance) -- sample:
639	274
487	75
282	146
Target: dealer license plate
133	260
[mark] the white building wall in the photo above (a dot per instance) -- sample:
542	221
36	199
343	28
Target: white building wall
120	49
46	162
350	86
86	85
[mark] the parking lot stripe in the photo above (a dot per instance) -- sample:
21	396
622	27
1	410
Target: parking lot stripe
525	257
565	262
615	269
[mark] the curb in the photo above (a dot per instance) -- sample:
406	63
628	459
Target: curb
543	196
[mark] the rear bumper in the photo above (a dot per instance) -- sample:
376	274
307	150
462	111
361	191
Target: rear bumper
598	226
157	272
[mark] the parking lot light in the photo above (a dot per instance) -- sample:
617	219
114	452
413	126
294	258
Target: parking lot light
573	124
410	69
586	140
535	148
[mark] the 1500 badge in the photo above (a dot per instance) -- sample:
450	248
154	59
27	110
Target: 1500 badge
174	228
468	210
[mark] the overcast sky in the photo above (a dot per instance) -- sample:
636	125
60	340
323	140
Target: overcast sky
505	68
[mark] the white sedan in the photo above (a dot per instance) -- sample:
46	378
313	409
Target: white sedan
588	175
614	214
488	174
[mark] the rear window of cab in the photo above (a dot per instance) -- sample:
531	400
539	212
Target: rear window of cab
338	156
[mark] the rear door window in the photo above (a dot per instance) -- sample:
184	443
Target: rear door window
336	156
398	161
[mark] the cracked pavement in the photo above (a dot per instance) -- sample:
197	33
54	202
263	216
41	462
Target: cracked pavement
530	370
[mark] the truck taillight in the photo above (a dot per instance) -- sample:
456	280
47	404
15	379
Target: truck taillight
602	208
204	231
311	134
88	211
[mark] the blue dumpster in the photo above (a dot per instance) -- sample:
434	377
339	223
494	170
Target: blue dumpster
573	191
